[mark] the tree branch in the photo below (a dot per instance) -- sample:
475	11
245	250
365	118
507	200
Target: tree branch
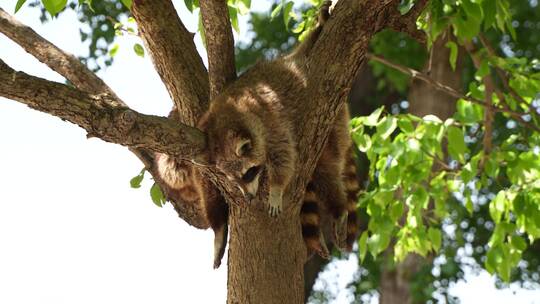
452	92
102	115
503	77
175	57
219	44
63	63
407	23
489	85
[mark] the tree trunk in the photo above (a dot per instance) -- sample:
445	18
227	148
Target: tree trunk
267	264
395	284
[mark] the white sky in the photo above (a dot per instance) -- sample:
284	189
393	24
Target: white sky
71	228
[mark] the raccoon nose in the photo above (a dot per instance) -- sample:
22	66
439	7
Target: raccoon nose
251	173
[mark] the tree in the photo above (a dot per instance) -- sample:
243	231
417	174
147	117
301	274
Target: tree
94	107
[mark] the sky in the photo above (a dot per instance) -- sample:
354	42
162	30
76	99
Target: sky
71	228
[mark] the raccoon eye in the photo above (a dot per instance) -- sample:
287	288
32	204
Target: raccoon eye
251	173
245	148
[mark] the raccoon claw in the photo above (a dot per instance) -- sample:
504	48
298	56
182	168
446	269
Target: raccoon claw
275	202
274	211
340	232
323	251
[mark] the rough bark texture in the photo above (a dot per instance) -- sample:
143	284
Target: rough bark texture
219	44
101	116
395	285
175	57
269	255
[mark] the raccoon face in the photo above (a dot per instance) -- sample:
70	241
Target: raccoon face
242	160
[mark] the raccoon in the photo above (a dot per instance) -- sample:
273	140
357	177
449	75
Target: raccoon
250	132
246	137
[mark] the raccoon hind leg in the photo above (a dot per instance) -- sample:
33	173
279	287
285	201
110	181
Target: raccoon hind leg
328	186
310	219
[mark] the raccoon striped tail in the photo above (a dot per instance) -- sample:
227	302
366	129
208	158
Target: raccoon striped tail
310	218
352	187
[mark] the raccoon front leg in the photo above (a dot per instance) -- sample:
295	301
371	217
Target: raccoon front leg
280	165
275	200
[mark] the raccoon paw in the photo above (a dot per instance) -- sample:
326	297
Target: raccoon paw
275	202
340	231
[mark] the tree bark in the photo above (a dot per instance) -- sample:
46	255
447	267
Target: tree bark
175	57
266	258
219	44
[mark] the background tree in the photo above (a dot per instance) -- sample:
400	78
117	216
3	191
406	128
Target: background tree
465	21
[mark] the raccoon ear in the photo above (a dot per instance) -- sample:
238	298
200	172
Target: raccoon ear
243	146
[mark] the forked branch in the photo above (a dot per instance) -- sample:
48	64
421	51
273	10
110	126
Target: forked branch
63	63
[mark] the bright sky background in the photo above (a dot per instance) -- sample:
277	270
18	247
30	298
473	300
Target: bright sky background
71	228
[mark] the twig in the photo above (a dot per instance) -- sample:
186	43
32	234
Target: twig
60	61
449	90
502	75
488	113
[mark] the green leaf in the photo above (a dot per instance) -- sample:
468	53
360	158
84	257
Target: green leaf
377	243
468	112
435	238
518	242
373	119
397	210
405	6
472	9
363	141
157	195
453	53
299	27
276	11
201	30
139	50
362	245
498	206
135	182
189	5
233	14
287	13
54	6
19	5
387	126
114	50
456	144
405	124
483	70
127	3
243	6
490	10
